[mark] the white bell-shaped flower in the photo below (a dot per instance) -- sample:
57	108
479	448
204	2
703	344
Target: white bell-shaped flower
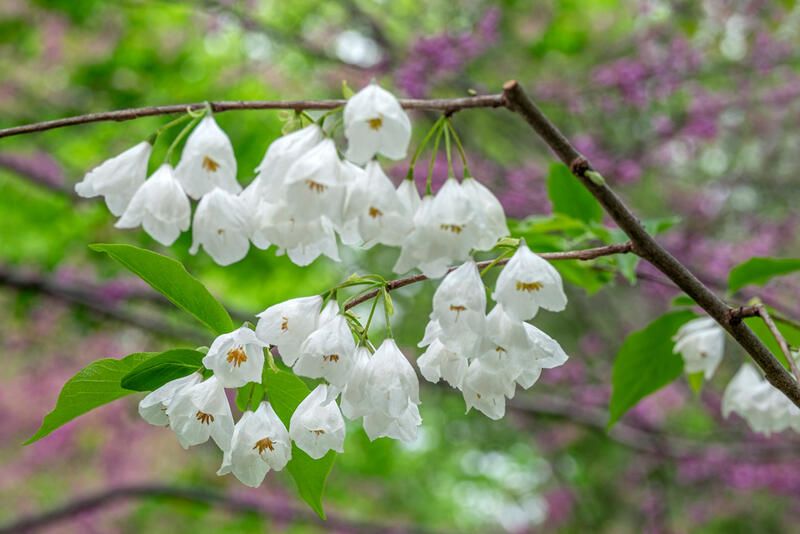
701	343
199	412
236	358
488	383
439	362
260	442
153	408
404	428
445	230
280	156
375	123
160	206
527	283
383	218
207	161
393	382
118	178
408	195
489	214
328	353
287	324
302	239
459	306
355	400
220	226
317	427
356	182
765	409
315	185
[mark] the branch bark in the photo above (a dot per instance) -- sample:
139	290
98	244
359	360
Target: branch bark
446	105
585	254
645	245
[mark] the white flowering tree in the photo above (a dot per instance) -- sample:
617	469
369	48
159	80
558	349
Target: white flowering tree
304	366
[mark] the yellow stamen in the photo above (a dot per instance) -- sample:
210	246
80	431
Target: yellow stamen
529	286
264	444
210	165
458	309
236	356
284	324
375	212
205	418
454	228
316	186
500	349
331	358
375	123
318	432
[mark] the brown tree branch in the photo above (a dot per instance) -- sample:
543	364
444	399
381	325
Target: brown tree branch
585	254
277	512
644	244
446	105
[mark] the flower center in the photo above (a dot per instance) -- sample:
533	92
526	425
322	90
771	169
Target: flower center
264	444
375	212
236	357
333	358
375	123
499	349
209	164
284	324
458	308
454	228
316	186
318	432
529	286
204	418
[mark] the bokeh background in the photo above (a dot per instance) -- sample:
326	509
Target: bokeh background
689	108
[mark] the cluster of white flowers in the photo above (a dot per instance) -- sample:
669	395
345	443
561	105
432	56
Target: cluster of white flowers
303	195
487	356
701	343
765	409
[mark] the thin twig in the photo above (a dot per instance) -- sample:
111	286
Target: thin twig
645	245
446	105
584	254
773	328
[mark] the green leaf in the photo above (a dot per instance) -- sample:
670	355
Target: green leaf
570	197
696	381
249	396
759	271
347	92
286	392
682	300
162	368
92	386
645	363
790	333
170	278
592	280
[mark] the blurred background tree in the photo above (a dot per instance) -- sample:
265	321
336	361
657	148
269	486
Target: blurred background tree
690	109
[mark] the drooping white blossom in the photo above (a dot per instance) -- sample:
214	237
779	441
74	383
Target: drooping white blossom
236	358
207	161
393	392
153	408
489	214
199	412
375	123
765	409
408	195
160	206
280	156
701	343
445	230
328	353
487	384
547	353
118	178
315	184
260	442
317	426
382	218
439	362
302	239
527	283
220	226
356	182
459	307
355	399
287	324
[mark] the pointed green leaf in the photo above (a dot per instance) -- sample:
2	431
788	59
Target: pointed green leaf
170	278
569	197
92	386
645	363
162	368
759	271
249	396
286	391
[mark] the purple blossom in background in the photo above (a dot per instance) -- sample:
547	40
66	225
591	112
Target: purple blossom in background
433	59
